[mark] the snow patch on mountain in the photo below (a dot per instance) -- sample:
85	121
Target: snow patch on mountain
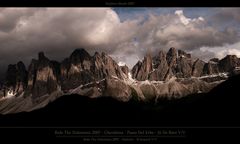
130	77
10	94
237	68
121	63
225	75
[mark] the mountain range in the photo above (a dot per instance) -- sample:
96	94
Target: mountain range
168	75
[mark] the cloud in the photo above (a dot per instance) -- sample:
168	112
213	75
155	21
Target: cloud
176	30
58	31
183	19
9	17
224	15
221	52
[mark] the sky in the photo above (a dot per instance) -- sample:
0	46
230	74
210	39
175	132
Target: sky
126	34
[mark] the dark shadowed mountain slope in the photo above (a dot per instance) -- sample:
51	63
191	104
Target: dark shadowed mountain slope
76	109
221	105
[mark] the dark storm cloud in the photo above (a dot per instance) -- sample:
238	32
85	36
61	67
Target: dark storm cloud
188	34
58	31
226	15
25	32
9	17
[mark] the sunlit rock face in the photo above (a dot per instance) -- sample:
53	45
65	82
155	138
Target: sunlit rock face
172	58
229	63
160	67
197	69
104	66
43	77
163	66
125	70
32	69
81	68
142	69
179	64
172	75
184	65
117	89
210	68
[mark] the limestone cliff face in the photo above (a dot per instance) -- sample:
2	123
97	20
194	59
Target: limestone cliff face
164	66
103	66
160	66
75	70
142	69
179	64
16	78
184	65
197	69
172	57
210	68
45	76
229	63
172	74
42	76
81	68
125	70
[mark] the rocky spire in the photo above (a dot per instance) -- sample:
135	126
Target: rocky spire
81	68
197	69
160	67
210	68
229	63
184	65
136	69
171	57
42	76
16	77
142	69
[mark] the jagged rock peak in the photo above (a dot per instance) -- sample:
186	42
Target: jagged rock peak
20	64
172	51
125	69
210	68
160	67
142	69
182	53
78	55
228	63
42	61
162	54
33	61
171	56
136	69
18	70
96	54
148	62
80	51
216	60
16	77
197	68
41	56
231	56
103	54
232	59
11	75
159	58
22	72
